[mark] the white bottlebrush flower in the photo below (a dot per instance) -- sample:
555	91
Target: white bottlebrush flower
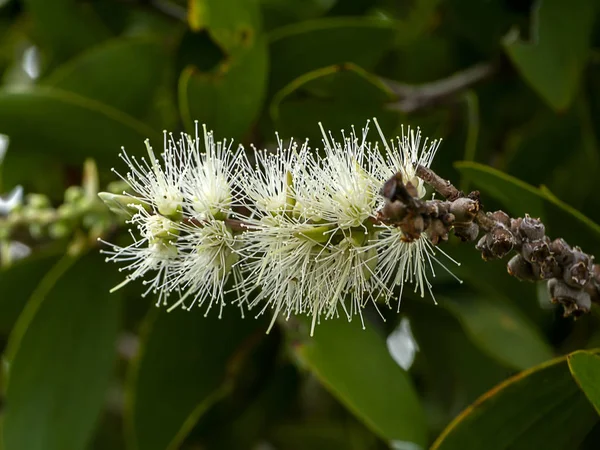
208	258
154	252
268	183
277	257
207	186
182	242
341	190
404	156
301	249
158	184
400	260
283	263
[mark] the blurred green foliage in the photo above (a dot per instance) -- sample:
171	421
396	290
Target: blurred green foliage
83	369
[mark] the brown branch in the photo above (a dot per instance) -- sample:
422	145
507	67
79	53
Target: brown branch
415	97
573	279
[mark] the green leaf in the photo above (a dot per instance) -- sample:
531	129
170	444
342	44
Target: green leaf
71	127
229	99
303	47
355	365
338	96
182	369
66	26
520	198
552	62
17	283
319	435
585	368
225	90
60	358
444	348
499	329
122	73
232	24
538	408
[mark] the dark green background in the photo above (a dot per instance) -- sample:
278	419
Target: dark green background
87	370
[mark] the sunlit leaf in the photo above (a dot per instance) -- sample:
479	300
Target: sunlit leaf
355	365
560	38
499	329
585	368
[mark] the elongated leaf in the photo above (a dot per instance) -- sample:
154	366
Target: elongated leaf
181	371
227	97
66	26
520	198
355	365
230	99
553	61
60	358
232	24
338	96
539	408
69	126
303	47
18	282
122	73
445	348
500	330
585	368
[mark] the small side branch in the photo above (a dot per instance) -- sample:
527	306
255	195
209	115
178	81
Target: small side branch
412	98
573	278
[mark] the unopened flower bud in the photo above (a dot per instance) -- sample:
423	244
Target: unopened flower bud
122	205
59	230
38	201
36	230
74	194
159	228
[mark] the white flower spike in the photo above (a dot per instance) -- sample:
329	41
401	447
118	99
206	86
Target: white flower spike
303	228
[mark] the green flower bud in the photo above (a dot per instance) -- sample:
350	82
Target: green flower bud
59	230
36	230
160	228
122	205
74	194
320	234
38	201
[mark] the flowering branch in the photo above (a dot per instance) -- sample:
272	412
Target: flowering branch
573	279
317	233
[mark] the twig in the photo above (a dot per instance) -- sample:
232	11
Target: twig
573	279
415	97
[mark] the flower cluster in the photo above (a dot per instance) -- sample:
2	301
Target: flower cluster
292	231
